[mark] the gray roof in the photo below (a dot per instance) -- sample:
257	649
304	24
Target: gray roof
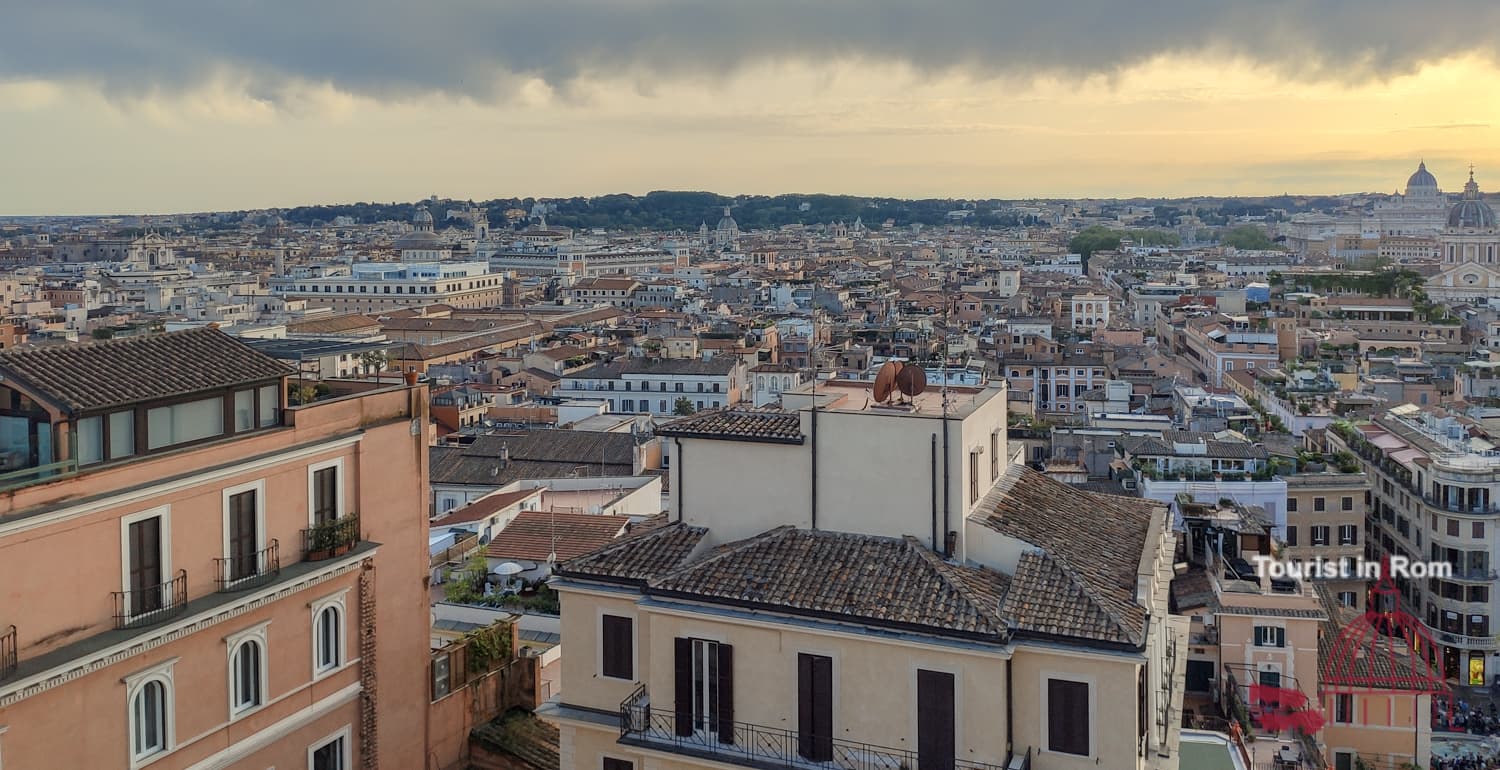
534	454
99	375
718	365
738	425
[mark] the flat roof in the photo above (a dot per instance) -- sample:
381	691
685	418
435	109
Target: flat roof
858	396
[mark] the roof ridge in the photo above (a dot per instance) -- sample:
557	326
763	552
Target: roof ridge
726	549
1088	592
945	570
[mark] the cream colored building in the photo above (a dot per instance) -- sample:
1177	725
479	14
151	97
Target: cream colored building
876	586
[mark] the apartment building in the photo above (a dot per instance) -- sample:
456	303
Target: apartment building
1434	482
874	586
377	286
190	565
1206	467
654	386
1056	386
1221	344
1325	519
616	292
1257	639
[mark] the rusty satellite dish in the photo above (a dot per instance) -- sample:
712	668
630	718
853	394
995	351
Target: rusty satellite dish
885	381
911	380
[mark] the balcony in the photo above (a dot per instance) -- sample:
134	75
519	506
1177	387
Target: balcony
1460	640
1455	507
253	571
774	747
330	539
1475	575
8	652
152	604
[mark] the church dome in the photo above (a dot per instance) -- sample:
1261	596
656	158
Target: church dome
1471	212
419	239
1421	178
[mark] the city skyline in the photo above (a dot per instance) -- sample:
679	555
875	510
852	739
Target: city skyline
190	109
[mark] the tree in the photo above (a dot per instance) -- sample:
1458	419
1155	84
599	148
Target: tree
682	406
373	360
466	586
1249	238
1091	239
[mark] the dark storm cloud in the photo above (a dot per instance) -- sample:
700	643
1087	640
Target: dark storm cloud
473	47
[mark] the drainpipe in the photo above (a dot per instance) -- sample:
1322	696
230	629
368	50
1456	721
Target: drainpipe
677	442
947	552
933	484
813	449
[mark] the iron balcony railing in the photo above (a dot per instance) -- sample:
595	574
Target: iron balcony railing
8	659
238	573
763	747
152	604
330	539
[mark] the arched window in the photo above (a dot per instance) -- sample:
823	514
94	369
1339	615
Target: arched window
328	638
246	667
148	718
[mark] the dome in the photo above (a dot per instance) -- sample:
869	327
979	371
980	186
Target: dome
419	239
1471	212
423	217
1421	177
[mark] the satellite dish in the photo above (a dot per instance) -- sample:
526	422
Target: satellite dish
911	380
885	380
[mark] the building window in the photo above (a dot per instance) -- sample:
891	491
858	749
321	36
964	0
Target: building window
1320	535
1348	534
121	434
1346	504
617	647
1478	530
1319	504
147	556
1270	636
331	753
244	534
1343	708
90	440
328	634
325	496
182	423
994	455
150	698
1348	599
1067	712
1291	535
1291	505
973	477
247	669
611	763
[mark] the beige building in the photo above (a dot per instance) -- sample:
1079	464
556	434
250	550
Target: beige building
876	586
1325	519
190	566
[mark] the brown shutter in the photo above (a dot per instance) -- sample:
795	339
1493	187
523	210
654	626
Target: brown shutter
242	539
935	744
725	716
815	707
145	565
682	652
1068	717
617	647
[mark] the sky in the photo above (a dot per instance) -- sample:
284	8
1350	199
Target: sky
159	106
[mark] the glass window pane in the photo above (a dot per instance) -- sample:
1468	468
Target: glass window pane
90	440
269	405
244	410
121	434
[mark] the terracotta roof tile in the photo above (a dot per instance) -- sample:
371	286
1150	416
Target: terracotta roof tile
534	535
739	425
98	375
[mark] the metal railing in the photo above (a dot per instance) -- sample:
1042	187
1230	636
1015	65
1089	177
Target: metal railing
764	747
1454	507
257	569
330	539
8	659
152	604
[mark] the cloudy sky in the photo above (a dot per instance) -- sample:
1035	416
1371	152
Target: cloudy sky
185	105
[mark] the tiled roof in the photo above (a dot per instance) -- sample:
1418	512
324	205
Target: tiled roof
535	454
533	535
716	366
865	578
333	324
97	375
484	506
1082	581
738	425
652	547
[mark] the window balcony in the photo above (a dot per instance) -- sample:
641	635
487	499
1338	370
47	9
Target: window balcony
1460	640
764	748
330	539
152	604
1475	575
257	569
8	652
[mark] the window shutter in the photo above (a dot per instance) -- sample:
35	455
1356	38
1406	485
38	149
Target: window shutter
682	652
805	705
726	694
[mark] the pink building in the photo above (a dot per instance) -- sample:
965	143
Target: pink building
188	567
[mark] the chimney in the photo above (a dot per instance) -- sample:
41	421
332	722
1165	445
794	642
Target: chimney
505	455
